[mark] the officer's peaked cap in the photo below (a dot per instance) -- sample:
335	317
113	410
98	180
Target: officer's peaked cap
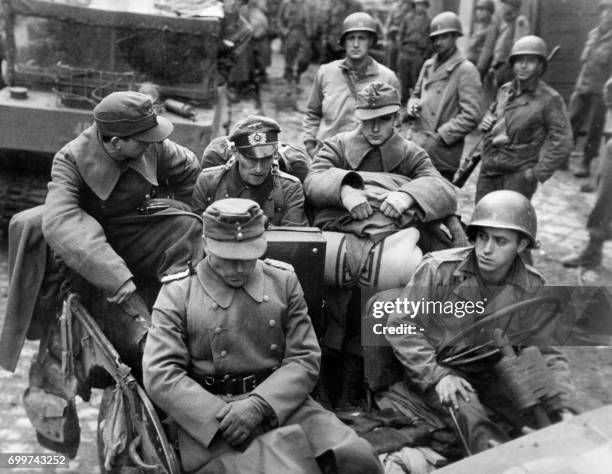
255	136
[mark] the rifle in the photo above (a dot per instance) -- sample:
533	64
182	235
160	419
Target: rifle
469	164
474	157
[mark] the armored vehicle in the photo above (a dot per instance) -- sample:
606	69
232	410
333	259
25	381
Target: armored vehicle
63	56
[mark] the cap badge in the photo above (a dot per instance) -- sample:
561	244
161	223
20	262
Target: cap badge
257	138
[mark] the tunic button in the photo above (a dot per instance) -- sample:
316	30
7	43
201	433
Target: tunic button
223	353
208	199
270	198
272	323
266	298
218	330
273	347
226	195
215	306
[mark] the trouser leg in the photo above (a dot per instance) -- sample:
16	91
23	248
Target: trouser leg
593	140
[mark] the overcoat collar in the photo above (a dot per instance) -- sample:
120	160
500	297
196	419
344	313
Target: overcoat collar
444	70
467	272
356	147
99	171
223	294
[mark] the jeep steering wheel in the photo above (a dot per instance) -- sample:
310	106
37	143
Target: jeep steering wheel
503	317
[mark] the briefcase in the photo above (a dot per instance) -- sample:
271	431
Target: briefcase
304	248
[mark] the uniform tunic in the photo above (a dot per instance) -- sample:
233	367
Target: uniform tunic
91	220
532	131
280	196
451	276
203	327
450	95
331	106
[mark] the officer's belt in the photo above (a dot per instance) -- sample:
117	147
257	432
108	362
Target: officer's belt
231	384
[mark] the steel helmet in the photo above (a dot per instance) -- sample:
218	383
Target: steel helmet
445	22
359	21
485	5
505	210
531	45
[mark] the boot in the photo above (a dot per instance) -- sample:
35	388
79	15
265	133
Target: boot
584	169
590	257
351	395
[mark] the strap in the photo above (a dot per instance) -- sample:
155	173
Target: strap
231	384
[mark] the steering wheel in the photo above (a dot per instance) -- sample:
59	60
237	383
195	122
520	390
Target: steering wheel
503	318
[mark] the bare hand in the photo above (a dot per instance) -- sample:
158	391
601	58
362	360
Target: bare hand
448	387
414	108
362	211
356	202
396	203
238	420
487	122
123	293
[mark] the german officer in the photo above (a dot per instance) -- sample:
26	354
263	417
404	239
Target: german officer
253	173
232	356
527	132
446	101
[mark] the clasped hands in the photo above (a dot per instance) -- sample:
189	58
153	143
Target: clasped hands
239	419
356	202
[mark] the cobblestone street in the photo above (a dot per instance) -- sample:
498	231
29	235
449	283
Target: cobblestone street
562	211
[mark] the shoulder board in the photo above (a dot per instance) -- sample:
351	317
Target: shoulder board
279	264
214	169
178	276
287	176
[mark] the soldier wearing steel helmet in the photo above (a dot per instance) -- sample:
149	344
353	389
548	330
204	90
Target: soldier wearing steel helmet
490	274
414	47
232	357
482	27
527	133
331	106
587	98
510	27
446	101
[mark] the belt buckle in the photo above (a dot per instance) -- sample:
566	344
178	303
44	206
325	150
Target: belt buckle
249	383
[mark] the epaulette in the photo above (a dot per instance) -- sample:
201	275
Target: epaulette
180	275
214	169
279	264
287	176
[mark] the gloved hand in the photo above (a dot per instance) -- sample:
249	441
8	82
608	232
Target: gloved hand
356	202
396	203
239	419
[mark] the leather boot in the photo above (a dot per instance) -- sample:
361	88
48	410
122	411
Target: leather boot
584	168
590	257
351	395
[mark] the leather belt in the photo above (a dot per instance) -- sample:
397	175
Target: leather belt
231	384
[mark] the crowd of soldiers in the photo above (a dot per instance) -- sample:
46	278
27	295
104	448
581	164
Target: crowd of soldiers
228	351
